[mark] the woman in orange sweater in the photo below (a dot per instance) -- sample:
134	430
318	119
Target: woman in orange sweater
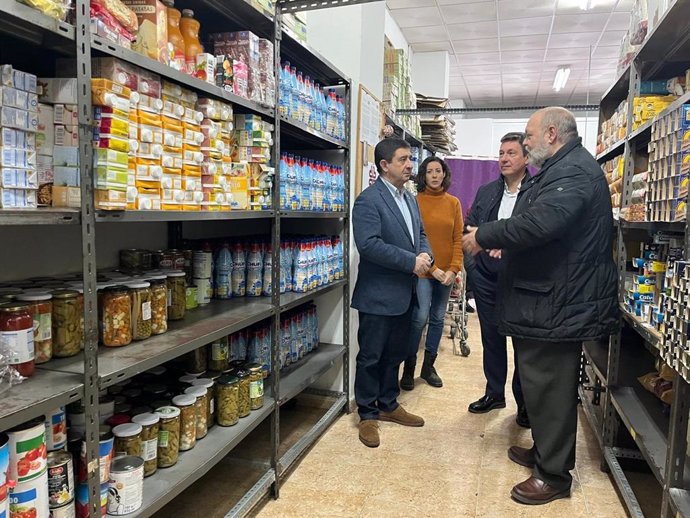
442	217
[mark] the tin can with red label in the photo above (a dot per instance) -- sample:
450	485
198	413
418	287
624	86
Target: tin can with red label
60	478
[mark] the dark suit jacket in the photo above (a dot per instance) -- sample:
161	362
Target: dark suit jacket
386	279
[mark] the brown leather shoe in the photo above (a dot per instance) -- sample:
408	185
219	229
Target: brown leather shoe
401	416
536	492
522	456
369	433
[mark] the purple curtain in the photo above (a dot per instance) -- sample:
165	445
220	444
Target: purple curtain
468	176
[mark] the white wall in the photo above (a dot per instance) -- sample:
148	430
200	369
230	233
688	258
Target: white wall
430	73
395	35
481	137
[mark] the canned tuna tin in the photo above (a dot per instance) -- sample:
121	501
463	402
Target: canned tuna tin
126	485
60	478
66	511
56	429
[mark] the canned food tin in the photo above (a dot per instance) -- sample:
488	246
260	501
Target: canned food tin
60	478
204	291
31	498
177	259
126	485
202	264
82	503
65	511
56	429
28	454
4	470
105	453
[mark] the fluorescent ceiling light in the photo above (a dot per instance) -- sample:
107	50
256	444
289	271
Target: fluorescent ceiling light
586	5
562	75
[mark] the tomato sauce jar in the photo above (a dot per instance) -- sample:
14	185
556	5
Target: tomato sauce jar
17	336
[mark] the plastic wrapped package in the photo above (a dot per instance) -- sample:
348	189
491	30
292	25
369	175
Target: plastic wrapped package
639	21
123	14
627	53
105	25
54	8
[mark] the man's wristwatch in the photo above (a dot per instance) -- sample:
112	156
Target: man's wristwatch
432	260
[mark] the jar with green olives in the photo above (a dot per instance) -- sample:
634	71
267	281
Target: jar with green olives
244	402
177	295
201	406
187	405
67	333
256	385
140	300
227	399
168	436
197	360
219	354
127	439
149	440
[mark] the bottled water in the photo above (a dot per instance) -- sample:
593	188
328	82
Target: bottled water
267	284
254	271
316	191
283	181
239	271
302	270
223	267
292	188
306	181
285	90
285	341
294	94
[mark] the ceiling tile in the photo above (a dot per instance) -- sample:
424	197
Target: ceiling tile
454	2
483	58
483	80
418	17
586	22
608	51
522	56
573	39
454	71
573	6
510	9
565	55
423	34
432	47
611	37
456	81
457	92
405	4
466	13
619	22
525	26
519	79
533	42
472	46
473	31
625	6
478	70
520	67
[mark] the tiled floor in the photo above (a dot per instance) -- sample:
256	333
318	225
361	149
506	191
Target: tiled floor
455	466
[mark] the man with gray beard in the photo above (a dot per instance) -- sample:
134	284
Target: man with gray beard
557	289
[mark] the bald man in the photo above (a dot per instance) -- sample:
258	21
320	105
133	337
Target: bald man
557	289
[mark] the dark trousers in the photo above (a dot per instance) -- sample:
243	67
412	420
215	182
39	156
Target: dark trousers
382	348
494	344
550	372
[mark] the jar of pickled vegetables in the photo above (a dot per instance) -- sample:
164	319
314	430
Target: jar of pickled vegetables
256	385
219	354
117	317
201	406
197	360
127	439
210	386
41	309
177	295
149	440
168	436
187	405
140	299
244	404
17	336
227	400
67	330
159	304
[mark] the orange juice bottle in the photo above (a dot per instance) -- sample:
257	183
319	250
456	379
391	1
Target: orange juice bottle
190	32
176	45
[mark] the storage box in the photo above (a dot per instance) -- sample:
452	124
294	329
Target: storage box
45	137
66	114
19	178
66	196
57	90
152	38
66	135
18	119
18	199
66	176
17	79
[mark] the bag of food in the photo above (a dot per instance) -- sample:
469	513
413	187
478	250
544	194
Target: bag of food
639	21
123	14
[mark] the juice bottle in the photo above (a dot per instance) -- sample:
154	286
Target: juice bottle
176	45
189	27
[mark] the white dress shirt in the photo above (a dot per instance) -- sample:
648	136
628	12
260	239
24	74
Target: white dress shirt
399	197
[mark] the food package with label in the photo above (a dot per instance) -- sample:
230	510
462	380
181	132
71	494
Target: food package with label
66	176
15	98
215	110
57	90
110	200
18	198
105	92
66	114
205	67
18	178
66	156
45	177
152	35
45	136
148	199
66	135
18	139
123	14
224	73
14	78
240	79
149	104
18	119
17	158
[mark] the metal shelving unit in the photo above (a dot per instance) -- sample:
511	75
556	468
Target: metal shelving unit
405	134
62	381
660	440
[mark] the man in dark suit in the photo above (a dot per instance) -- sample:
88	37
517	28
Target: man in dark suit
393	250
557	289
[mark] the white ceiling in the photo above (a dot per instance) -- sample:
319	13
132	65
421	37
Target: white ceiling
506	52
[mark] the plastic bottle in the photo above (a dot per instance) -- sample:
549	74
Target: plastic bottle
189	27
324	111
285	90
341	118
223	267
176	43
300	97
332	114
293	195
306	182
284	356
267	284
301	269
283	181
315	328
329	260
239	271
294	94
254	271
338	256
313	266
308	101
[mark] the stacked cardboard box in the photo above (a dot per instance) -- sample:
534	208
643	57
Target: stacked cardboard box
398	93
646	107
